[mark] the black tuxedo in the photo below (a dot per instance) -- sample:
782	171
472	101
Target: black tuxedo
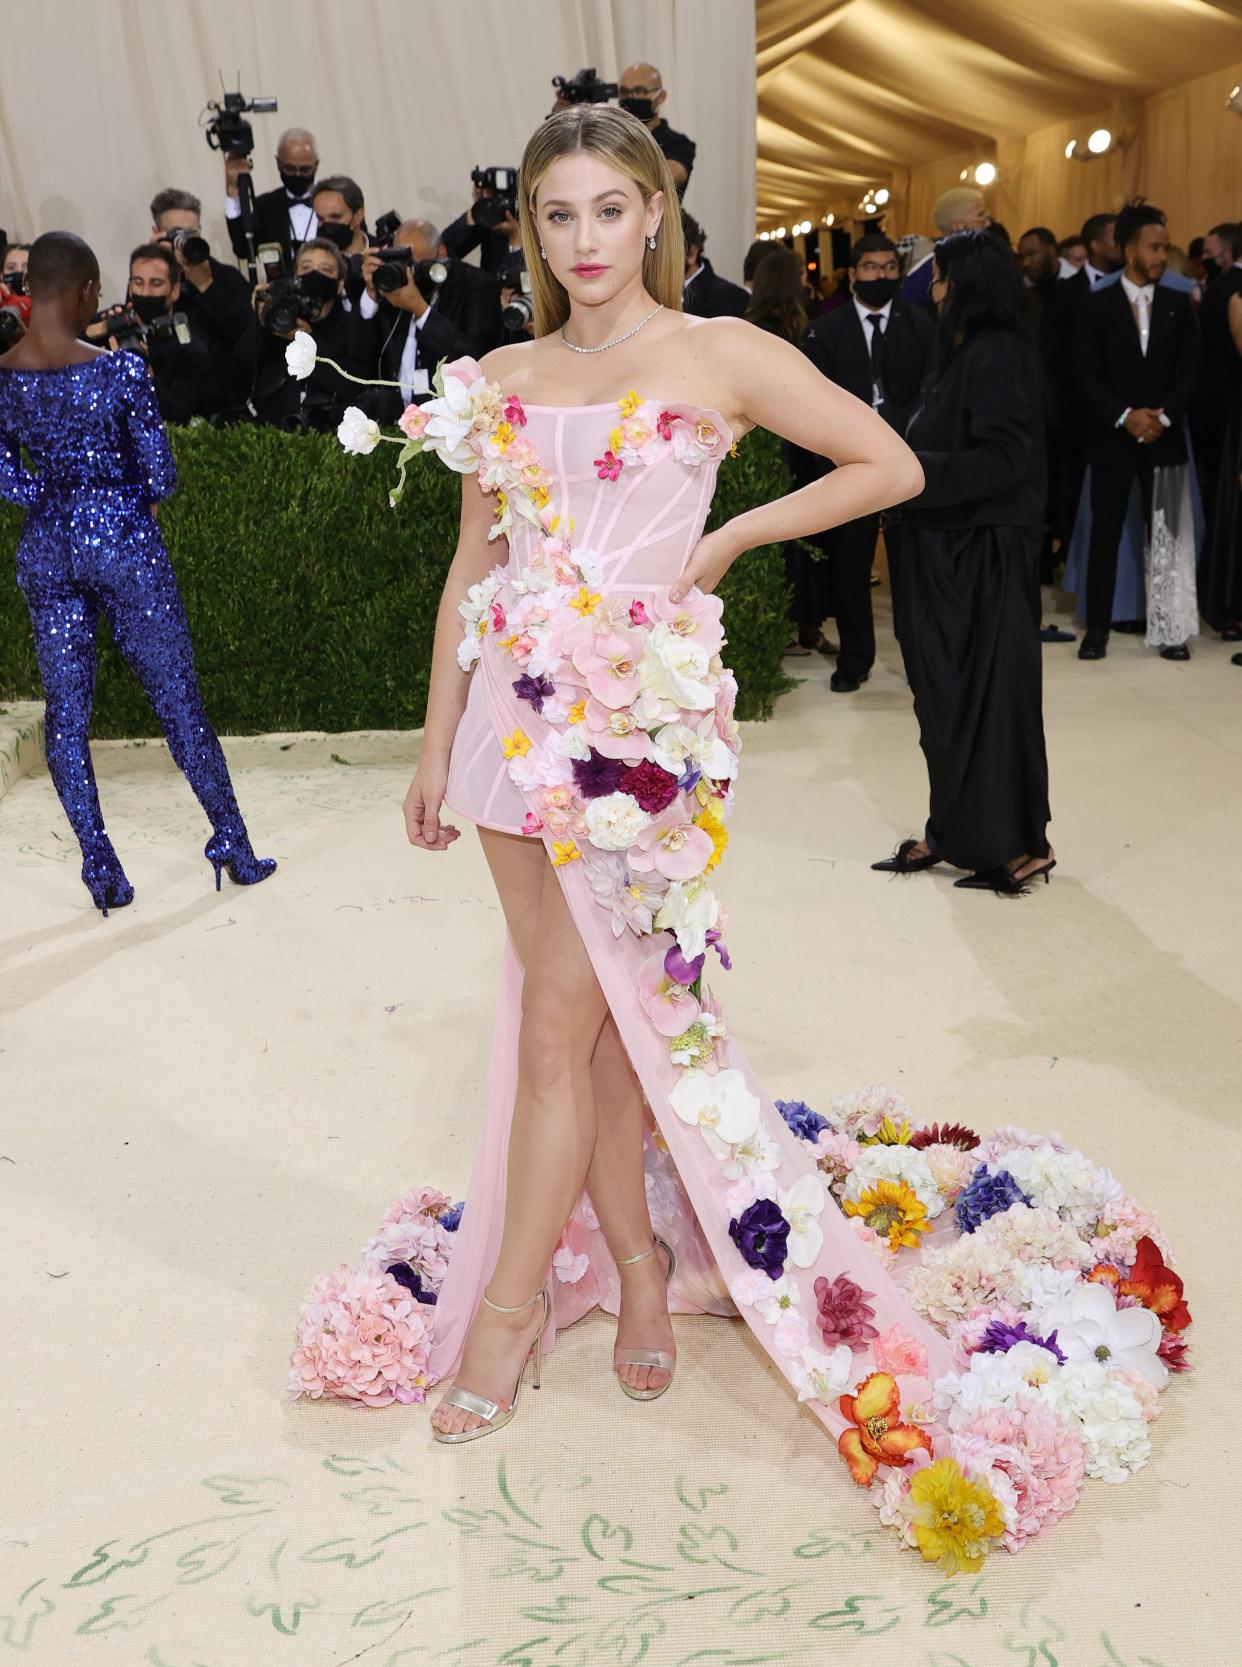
271	225
838	346
464	321
708	295
1113	374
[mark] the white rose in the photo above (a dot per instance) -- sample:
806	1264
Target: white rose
357	432
300	355
689	909
615	821
677	668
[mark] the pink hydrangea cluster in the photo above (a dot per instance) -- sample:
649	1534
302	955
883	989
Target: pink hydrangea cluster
361	1338
836	1154
410	1231
1036	1235
1009	1138
1042	1454
1116	1238
951	1168
861	1113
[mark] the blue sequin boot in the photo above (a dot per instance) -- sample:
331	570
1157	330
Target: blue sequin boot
234	852
104	878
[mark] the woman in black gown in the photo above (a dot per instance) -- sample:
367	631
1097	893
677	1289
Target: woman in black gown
970	581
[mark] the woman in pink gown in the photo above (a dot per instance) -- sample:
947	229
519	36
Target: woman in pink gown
585	725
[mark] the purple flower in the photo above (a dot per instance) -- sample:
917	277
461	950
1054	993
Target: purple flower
689	778
404	1274
597	776
804	1122
451	1219
716	939
987	1195
999	1338
534	689
761	1234
679	969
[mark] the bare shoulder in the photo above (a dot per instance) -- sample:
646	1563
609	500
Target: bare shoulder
728	356
514	366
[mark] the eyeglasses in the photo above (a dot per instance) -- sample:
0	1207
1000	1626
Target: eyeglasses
878	269
639	92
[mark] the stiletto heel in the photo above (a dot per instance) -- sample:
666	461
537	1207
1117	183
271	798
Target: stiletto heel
104	878
658	1358
494	1416
234	852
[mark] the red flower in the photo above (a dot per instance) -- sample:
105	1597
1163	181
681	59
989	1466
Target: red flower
654	787
1157	1287
514	412
608	467
638	614
498	617
664	424
952	1134
1174	1351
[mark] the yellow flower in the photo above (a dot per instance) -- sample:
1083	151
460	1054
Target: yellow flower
712	822
893	1211
539	496
615	439
515	745
953	1518
733	451
502	436
576	713
563	851
629	404
585	602
888	1134
508	642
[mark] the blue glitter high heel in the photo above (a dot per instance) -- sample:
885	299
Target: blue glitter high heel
104	878
234	852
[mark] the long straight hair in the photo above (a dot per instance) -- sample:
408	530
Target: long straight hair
778	297
625	144
984	290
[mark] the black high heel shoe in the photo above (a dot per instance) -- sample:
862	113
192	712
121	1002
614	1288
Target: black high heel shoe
104	878
901	862
1004	882
234	852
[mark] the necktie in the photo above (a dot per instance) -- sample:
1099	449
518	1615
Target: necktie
1142	317
875	348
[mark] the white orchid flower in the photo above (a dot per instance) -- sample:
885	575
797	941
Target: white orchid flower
357	432
800	1206
822	1377
779	1299
754	1159
721	1106
689	910
300	355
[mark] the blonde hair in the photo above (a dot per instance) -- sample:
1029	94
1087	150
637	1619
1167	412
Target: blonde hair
625	144
949	208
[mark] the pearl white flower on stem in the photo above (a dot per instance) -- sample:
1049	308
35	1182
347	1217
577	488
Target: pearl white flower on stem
800	1206
357	432
723	1108
300	355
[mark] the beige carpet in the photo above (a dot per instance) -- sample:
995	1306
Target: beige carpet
207	1099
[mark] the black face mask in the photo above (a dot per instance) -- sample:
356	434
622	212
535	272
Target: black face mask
297	185
643	108
336	233
1209	266
876	292
16	282
319	287
150	307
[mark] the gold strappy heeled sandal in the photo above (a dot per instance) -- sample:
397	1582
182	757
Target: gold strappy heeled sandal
647	1357
495	1417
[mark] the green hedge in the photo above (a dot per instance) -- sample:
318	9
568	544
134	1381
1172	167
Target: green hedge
312	604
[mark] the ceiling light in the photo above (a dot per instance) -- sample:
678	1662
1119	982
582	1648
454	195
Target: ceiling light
830	219
779	232
881	195
985	173
1070	149
764	236
1234	101
1100	141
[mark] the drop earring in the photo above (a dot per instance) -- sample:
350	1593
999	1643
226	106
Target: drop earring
543	253
651	241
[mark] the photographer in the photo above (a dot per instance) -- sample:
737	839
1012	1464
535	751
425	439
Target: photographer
180	355
13	267
641	91
490	223
214	297
341	212
312	300
284	215
422	320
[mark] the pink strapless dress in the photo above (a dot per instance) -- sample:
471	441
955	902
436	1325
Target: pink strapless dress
712	1193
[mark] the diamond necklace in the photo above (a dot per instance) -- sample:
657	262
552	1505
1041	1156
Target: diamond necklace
574	348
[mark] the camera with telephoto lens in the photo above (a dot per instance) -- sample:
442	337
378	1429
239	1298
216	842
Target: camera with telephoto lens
194	249
488	212
585	88
228	131
397	267
124	325
286	300
519	311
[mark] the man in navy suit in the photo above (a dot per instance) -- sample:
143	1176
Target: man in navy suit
1137	369
879	349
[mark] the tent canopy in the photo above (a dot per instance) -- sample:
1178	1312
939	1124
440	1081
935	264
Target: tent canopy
852	92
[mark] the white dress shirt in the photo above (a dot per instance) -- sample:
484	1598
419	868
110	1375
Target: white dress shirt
414	379
868	330
1141	298
303	221
1093	273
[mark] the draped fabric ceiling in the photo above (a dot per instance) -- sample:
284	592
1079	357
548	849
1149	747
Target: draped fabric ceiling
903	93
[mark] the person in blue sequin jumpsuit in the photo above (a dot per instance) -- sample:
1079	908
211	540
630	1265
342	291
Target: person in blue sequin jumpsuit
91	544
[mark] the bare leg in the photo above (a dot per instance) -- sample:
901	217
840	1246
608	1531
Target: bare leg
618	1194
553	1134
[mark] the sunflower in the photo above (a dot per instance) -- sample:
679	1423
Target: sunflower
893	1210
953	1518
712	823
888	1134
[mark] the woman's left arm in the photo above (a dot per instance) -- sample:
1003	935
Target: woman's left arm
777	387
